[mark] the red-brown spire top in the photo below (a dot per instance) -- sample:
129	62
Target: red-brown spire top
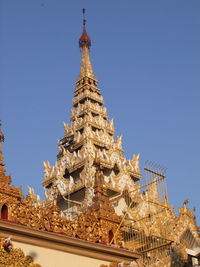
84	44
84	39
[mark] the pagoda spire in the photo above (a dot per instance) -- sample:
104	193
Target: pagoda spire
88	144
84	44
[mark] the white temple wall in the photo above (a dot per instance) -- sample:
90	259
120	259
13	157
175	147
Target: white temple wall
53	258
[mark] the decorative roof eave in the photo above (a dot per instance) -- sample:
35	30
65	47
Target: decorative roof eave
29	235
77	165
95	142
185	211
11	191
79	127
80	80
97	98
89	109
48	180
135	174
87	74
79	144
85	87
75	188
105	164
88	104
116	189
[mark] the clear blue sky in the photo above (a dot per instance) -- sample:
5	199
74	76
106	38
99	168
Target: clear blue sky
146	55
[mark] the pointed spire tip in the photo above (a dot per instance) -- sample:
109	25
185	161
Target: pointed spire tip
84	39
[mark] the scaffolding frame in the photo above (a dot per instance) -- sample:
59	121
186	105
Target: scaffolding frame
149	246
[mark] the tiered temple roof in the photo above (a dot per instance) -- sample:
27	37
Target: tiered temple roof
88	142
92	192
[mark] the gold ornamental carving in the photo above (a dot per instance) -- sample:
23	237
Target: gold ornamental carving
112	264
112	211
15	258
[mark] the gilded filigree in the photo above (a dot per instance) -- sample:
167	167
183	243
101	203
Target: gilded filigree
88	141
15	258
112	264
91	192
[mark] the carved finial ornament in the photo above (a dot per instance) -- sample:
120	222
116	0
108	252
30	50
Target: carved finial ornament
84	44
84	39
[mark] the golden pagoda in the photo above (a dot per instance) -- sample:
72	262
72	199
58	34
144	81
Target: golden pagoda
97	212
88	144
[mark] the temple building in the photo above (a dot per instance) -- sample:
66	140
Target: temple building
99	210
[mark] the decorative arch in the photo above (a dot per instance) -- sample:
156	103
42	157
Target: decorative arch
4	212
116	169
110	236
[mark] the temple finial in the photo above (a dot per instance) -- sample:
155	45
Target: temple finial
84	44
84	20
85	39
2	169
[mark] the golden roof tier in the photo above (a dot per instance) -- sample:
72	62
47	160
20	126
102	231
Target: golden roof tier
92	194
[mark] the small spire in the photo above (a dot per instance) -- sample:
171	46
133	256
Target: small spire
84	20
84	39
84	44
2	169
